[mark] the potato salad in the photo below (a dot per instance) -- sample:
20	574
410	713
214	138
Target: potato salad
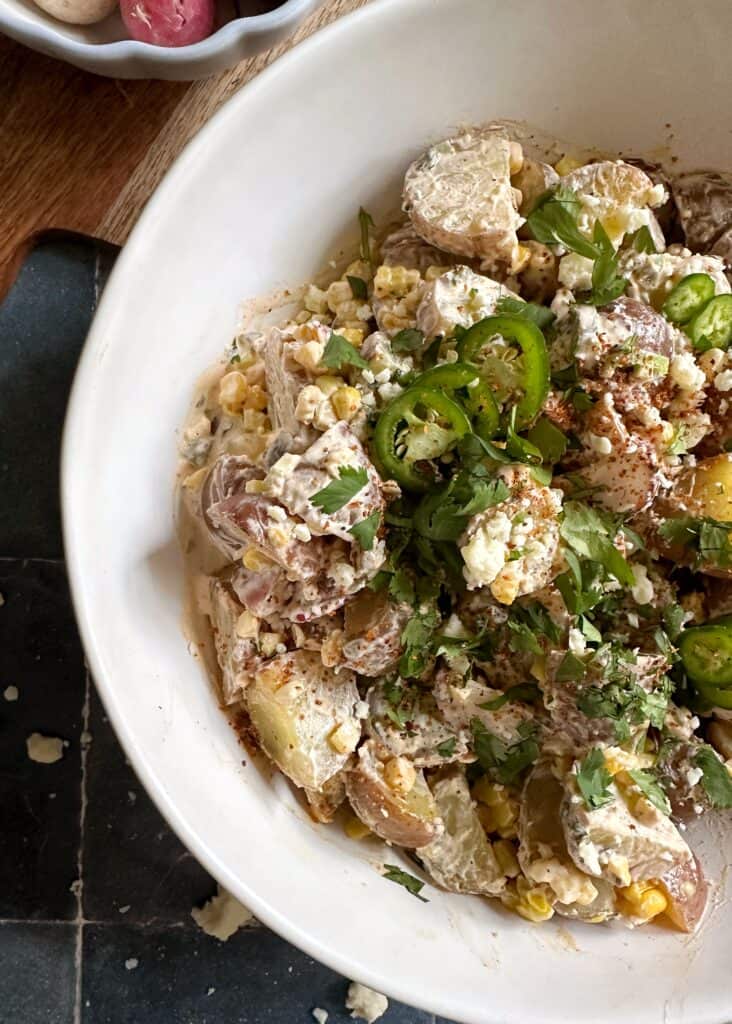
467	518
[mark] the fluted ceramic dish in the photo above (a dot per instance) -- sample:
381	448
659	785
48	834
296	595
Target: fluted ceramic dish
259	201
106	49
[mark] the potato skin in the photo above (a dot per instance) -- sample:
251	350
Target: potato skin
168	22
78	12
686	890
409	821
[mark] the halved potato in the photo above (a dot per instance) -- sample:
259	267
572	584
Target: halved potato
407	819
324	802
304	716
424	731
686	891
543	853
460	858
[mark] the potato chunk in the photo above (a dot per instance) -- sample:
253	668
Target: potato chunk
459	197
461	858
296	706
408	819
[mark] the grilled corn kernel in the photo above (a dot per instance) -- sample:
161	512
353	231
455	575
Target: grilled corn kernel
309	355
255	561
255	421
255	487
642	900
247	626
344	737
194	480
531	902
522	260
505	814
567	164
432	273
359	268
485	817
355	828
329	384
353	335
400	775
394	282
506	856
490	793
268	643
515	157
232	392
346	401
315	300
255	398
331	649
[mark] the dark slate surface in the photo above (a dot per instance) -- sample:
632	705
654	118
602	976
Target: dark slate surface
95	891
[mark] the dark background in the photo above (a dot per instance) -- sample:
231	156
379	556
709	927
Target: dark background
90	874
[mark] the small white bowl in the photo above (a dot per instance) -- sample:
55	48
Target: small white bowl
106	49
259	201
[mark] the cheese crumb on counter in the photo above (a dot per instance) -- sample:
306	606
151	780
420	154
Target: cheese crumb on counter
222	916
320	1015
132	963
10	693
363	1002
44	749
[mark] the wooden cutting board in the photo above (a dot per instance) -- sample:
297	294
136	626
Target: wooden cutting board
82	153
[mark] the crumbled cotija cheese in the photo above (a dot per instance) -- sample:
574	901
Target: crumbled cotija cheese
222	916
363	1002
44	749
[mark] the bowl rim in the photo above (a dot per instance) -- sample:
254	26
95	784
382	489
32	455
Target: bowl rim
38	35
339	961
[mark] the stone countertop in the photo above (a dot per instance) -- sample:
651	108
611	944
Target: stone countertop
95	904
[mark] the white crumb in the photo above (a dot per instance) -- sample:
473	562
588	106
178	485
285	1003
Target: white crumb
85	738
132	963
363	1002
75	887
124	909
44	749
210	991
131	796
320	1015
10	693
222	915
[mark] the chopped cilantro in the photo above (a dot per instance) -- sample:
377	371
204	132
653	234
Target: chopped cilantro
403	878
416	637
401	587
590	534
339	492
444	514
408	340
504	762
553	221
339	353
673	619
650	789
594	780
642	240
365	531
606	284
447	747
549	439
539	315
359	288
365	222
521	692
571	668
707	538
715	778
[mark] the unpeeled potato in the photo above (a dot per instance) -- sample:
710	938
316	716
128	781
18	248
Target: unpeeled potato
78	12
168	22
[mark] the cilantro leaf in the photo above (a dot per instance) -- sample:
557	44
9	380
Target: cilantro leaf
715	778
359	288
553	221
593	780
403	878
365	221
365	531
408	340
708	538
520	447
674	616
591	535
401	587
504	762
539	315
416	637
650	789
549	439
339	492
642	240
606	284
520	692
571	668
447	747
339	353
444	514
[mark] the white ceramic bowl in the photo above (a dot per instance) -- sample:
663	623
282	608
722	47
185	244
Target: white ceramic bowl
259	200
106	48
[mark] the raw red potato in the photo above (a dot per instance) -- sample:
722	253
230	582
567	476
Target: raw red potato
168	22
78	12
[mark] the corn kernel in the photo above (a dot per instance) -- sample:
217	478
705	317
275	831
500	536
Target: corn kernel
521	260
506	857
400	775
268	643
515	157
255	487
256	398
394	282
254	560
432	273
359	268
309	355
278	536
194	480
329	384
505	814
346	401
485	817
353	335
531	902
232	392
642	899
254	421
331	649
567	164
315	300
538	668
247	626
355	828
345	736
490	793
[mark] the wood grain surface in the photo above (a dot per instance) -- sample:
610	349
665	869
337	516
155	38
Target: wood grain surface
82	153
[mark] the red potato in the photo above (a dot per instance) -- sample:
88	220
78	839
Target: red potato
168	22
686	890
